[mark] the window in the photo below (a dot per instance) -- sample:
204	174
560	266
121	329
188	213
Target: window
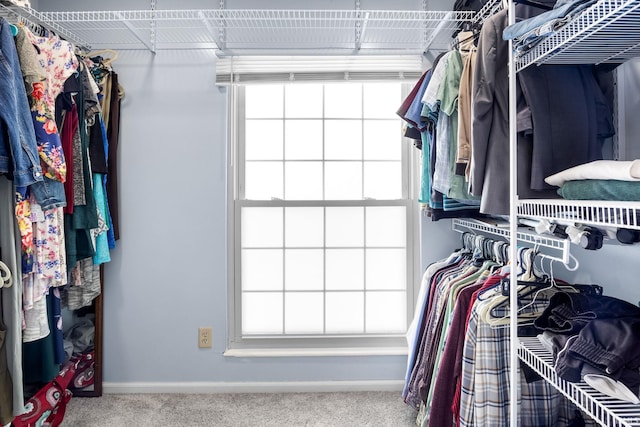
323	236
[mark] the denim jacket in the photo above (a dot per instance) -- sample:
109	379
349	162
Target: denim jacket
18	147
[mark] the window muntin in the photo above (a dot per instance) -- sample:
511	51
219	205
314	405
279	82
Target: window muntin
323	211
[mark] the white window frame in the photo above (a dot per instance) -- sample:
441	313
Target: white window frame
311	345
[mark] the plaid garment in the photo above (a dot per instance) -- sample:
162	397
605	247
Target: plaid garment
485	382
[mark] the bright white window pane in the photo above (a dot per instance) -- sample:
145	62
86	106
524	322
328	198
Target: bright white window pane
343	139
303	269
303	100
303	181
263	180
262	269
381	100
304	312
343	101
263	140
303	139
383	180
261	227
386	312
343	181
264	101
304	227
345	312
345	226
386	226
345	269
386	269
382	140
262	313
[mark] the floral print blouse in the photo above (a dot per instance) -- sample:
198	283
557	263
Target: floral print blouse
59	61
43	237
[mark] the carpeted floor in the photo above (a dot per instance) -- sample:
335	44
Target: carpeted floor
380	409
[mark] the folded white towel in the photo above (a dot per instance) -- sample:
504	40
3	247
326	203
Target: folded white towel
599	169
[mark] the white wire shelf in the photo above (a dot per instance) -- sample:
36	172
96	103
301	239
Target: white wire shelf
15	14
605	410
491	7
555	248
587	212
251	31
607	32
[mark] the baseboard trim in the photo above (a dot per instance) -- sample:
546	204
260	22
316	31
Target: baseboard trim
252	387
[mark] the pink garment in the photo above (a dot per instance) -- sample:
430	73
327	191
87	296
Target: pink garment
68	131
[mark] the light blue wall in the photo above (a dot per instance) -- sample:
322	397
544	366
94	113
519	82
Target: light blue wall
168	273
168	276
615	267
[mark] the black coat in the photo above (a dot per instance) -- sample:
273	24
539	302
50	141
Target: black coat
562	119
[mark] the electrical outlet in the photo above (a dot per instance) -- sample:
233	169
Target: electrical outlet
205	337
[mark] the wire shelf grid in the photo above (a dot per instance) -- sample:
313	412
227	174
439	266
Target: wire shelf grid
368	30
607	32
587	212
489	8
605	410
556	248
29	17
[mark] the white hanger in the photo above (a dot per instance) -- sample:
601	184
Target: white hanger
6	280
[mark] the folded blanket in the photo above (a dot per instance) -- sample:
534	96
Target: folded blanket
600	189
599	169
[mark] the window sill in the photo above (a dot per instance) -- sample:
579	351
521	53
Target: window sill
314	352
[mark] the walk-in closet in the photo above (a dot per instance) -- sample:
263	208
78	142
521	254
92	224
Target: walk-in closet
345	213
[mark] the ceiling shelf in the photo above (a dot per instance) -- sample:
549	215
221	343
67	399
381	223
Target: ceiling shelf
234	32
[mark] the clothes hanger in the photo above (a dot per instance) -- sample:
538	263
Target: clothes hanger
501	299
100	53
469	33
538	292
6	279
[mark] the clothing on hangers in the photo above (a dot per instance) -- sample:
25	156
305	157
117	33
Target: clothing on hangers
576	96
41	64
456	295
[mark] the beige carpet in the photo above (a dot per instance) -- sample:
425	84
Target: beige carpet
380	409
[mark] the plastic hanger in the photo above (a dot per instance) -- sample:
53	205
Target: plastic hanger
525	288
6	279
100	53
14	30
